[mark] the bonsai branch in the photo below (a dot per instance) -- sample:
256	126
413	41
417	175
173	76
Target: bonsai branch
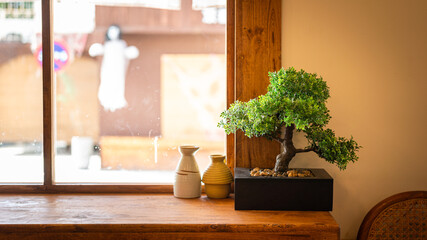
289	150
305	150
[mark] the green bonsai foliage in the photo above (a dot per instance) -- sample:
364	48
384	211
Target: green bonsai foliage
295	100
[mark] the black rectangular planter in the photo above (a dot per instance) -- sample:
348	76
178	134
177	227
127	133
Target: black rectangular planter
286	193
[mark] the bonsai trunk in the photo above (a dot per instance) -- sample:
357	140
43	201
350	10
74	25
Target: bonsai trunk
289	151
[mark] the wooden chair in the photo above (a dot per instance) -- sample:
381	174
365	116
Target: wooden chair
401	216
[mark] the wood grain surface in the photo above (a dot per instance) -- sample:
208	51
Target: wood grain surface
85	188
48	93
159	216
231	91
258	51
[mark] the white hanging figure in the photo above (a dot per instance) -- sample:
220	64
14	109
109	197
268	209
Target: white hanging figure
111	93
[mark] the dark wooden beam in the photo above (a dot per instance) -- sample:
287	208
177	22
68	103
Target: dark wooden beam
48	93
258	51
231	91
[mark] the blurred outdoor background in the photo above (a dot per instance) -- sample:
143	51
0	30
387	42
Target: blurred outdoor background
173	86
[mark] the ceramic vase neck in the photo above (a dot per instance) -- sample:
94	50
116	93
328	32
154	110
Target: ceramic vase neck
188	163
217	158
188	150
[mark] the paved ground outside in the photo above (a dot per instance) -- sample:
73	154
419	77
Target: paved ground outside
16	166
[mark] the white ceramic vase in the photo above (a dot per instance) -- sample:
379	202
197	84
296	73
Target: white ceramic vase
187	175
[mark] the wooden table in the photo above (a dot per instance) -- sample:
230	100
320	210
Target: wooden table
151	216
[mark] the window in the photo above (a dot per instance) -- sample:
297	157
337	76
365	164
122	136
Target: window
140	78
21	126
243	19
133	81
20	10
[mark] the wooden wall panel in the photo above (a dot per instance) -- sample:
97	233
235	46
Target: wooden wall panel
48	93
258	51
231	91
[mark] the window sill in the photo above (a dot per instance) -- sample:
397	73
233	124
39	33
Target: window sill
151	216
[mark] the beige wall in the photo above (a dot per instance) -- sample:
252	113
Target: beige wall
373	55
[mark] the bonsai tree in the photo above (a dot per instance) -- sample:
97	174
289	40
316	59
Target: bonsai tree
295	100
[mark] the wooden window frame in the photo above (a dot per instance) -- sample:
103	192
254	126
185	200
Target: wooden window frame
253	33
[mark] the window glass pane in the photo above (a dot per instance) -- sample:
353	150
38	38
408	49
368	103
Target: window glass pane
136	79
21	124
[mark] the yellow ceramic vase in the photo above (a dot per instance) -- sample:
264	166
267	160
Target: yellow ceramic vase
217	178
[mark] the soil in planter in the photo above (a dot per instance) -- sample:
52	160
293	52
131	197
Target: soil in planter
258	172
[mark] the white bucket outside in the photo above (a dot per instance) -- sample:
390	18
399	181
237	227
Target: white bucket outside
81	150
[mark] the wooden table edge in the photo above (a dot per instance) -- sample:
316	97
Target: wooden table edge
141	228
